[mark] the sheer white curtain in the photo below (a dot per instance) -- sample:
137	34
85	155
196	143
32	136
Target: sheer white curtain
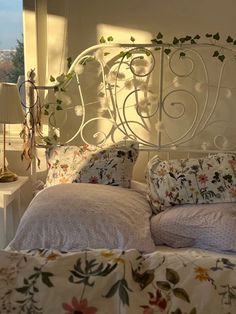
45	37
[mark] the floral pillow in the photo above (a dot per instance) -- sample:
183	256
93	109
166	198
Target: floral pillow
191	181
112	165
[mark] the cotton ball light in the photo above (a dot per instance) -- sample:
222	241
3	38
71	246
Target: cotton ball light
99	55
228	93
129	84
199	87
205	145
78	110
112	77
176	82
65	99
61	78
159	126
79	68
104	102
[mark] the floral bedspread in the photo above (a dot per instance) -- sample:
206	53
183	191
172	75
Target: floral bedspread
110	282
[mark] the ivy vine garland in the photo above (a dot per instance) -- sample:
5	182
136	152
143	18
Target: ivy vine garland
215	40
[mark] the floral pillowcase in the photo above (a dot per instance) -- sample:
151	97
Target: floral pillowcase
112	165
191	181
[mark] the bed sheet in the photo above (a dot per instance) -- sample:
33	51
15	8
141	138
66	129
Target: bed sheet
114	281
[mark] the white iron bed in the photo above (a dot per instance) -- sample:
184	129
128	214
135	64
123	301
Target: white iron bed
103	248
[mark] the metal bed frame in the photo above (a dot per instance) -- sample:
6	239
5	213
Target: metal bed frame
167	97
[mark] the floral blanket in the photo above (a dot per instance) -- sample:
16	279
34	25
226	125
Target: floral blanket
110	282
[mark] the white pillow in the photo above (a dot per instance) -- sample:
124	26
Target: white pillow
205	226
79	216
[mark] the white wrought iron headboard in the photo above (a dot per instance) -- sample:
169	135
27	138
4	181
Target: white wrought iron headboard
165	96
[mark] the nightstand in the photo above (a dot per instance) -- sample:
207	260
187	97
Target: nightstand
10	194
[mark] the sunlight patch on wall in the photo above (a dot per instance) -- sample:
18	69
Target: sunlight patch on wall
57	44
123	35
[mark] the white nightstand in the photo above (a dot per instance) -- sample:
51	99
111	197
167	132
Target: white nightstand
10	193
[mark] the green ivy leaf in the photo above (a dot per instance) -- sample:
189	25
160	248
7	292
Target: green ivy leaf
159	42
182	40
193	41
46	113
110	38
159	35
167	51
208	35
47	106
181	294
154	41
59	101
102	40
216	53
216	36
128	55
52	79
182	54
122	54
132	39
193	311
55	89
197	37
229	39
175	41
187	38
221	58
69	62
164	285
58	107
172	276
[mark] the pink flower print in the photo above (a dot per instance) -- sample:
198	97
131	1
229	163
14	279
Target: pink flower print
64	167
158	300
93	179
233	192
202	178
79	307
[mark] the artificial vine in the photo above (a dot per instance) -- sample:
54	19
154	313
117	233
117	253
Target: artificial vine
177	42
213	39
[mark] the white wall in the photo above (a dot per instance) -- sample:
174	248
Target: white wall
63	28
71	25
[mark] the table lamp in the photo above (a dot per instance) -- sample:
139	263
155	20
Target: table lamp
10	113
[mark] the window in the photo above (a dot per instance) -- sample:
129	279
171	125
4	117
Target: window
11	55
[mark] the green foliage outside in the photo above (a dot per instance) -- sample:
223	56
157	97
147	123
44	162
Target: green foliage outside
17	59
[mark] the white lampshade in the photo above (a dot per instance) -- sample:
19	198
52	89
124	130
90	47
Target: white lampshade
10	106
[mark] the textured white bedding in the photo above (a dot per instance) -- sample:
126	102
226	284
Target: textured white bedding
78	216
206	226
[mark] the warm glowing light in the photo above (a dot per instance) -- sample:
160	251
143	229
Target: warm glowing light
78	110
228	93
199	87
176	81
